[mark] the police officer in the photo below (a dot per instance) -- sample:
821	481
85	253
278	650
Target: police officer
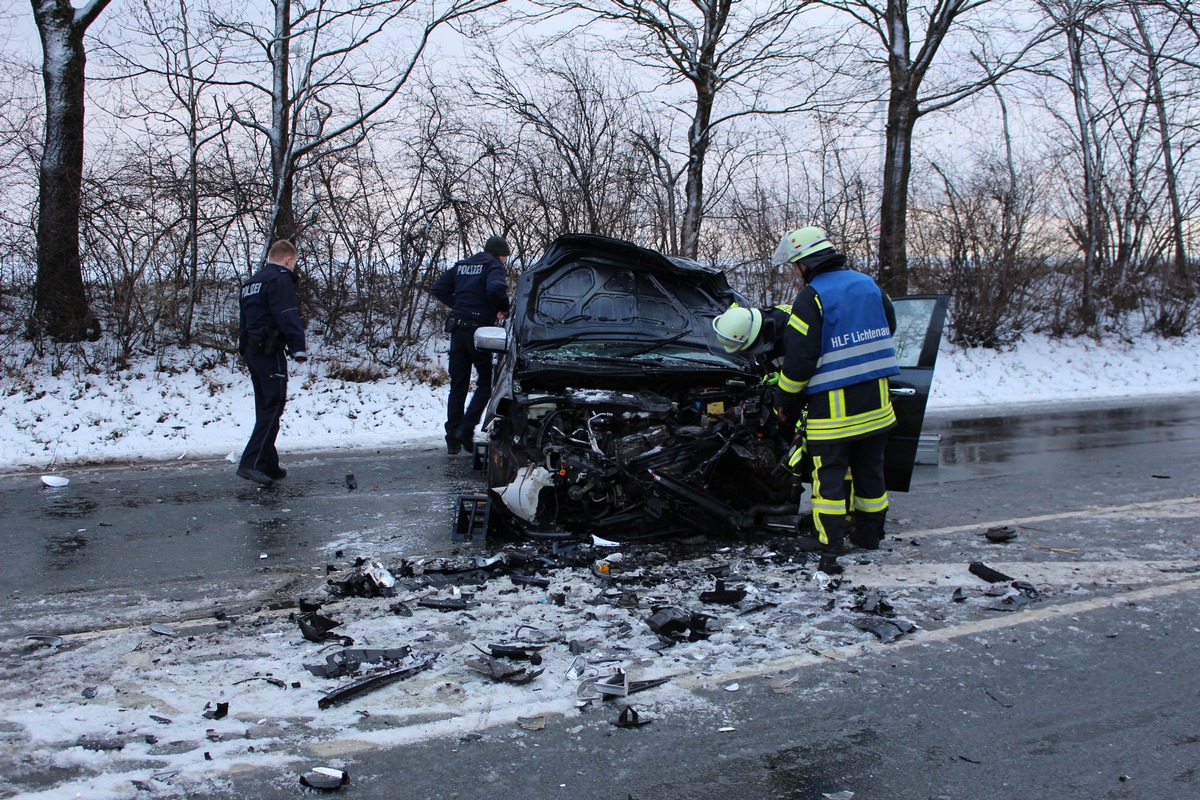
476	291
270	327
838	355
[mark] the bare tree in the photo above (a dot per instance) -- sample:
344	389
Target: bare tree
331	73
898	28
168	42
60	304
582	167
732	55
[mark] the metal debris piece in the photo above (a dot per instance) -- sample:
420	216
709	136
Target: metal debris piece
374	681
499	671
325	778
958	595
351	481
162	629
530	580
161	720
842	795
350	661
981	570
89	692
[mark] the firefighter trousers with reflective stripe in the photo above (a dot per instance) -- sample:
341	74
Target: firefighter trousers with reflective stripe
864	458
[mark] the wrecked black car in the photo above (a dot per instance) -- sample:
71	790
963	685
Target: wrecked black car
611	416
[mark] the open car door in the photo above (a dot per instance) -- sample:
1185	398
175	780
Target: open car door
919	322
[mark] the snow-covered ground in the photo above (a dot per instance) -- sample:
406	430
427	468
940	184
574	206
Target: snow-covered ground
46	421
117	708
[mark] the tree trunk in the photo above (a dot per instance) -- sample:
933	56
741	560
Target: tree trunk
1180	263
893	212
283	222
698	141
60	304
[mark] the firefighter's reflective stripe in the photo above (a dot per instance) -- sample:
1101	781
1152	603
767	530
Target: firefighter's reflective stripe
790	386
883	358
798	324
823	507
870	505
839	425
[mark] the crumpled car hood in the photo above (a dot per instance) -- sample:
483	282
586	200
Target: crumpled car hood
594	288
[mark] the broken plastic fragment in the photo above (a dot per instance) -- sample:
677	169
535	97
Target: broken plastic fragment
499	671
316	628
45	638
54	481
874	603
598	542
325	778
1000	534
629	718
445	605
162	629
888	630
722	595
350	661
990	575
374	681
531	653
537	723
217	712
842	795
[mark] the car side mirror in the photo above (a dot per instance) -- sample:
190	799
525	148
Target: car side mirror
491	338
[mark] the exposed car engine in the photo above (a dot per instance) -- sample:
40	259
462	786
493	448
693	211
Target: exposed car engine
630	464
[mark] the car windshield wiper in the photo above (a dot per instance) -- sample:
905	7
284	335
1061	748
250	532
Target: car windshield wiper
641	351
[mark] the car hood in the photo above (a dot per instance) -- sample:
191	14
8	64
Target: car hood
593	288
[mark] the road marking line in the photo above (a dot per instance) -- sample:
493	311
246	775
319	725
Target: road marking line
924	637
1057	573
1182	508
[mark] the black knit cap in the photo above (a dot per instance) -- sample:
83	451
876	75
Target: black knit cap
497	246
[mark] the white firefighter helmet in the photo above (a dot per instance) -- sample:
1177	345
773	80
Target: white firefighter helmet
798	244
737	328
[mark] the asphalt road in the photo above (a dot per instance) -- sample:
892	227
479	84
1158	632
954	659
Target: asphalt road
1085	698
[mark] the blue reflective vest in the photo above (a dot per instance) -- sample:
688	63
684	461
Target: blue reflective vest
857	342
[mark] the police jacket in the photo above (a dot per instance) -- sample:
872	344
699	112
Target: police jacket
839	353
268	301
475	289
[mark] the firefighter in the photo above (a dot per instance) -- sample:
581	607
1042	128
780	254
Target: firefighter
476	292
837	357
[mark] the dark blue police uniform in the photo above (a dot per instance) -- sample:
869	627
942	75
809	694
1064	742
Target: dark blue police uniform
476	291
270	328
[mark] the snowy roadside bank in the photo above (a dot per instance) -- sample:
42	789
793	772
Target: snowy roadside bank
142	415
